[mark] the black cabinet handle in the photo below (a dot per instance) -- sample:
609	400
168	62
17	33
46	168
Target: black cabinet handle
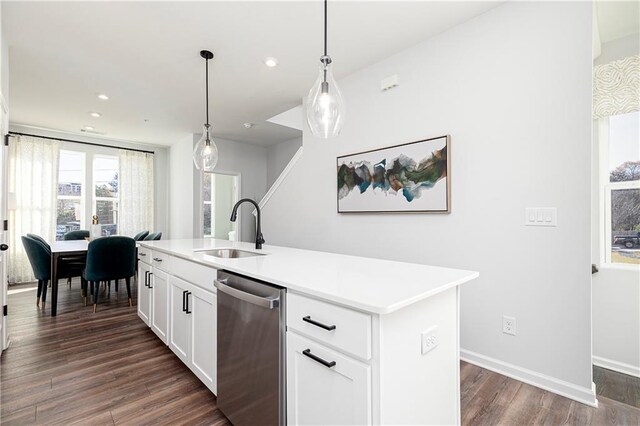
150	273
316	358
142	254
3	247
187	299
146	278
157	259
184	301
318	324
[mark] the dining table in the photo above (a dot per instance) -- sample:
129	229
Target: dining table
61	250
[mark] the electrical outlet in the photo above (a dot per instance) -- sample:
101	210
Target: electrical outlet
429	339
509	325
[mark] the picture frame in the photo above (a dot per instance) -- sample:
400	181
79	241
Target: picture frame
413	177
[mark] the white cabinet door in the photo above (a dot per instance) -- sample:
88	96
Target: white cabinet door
179	320
160	297
203	307
144	293
325	395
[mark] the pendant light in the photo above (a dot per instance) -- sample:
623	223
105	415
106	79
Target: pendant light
205	154
324	106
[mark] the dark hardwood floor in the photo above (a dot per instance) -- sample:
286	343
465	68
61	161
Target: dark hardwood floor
110	368
617	386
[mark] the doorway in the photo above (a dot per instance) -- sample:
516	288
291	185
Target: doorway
220	191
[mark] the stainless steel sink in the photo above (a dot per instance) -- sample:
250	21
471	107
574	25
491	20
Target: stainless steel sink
229	253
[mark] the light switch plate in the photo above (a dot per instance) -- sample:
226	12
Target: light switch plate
541	216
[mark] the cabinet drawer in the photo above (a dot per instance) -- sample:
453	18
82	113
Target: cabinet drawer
325	387
144	254
195	273
160	260
334	325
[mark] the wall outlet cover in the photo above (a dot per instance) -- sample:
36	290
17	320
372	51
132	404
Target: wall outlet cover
509	325
429	339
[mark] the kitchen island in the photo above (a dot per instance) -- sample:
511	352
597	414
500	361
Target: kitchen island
394	327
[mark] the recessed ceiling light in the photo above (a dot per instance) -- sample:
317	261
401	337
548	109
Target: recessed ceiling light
102	96
271	62
248	125
89	128
95	114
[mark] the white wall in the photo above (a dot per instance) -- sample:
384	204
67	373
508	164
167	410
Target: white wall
181	184
278	156
513	89
616	289
248	161
4	62
160	164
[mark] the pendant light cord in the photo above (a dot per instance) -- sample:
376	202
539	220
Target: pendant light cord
325	27
206	79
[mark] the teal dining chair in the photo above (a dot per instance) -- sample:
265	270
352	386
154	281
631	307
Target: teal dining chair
110	258
141	235
80	234
39	255
153	237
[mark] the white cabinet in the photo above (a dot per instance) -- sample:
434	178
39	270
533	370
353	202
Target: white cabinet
182	313
193	329
159	286
325	387
179	320
144	293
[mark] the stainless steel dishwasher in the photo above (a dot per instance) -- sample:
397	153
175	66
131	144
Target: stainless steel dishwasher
251	350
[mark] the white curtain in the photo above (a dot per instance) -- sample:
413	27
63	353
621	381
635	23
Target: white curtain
136	192
33	177
616	87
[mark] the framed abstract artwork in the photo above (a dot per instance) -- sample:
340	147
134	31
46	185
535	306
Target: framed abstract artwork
412	177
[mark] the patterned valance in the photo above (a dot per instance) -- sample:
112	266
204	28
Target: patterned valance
616	87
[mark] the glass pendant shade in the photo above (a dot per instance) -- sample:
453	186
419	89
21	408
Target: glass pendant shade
205	154
324	106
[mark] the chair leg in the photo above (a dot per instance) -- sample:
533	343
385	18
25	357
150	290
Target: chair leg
44	293
95	295
39	293
117	286
83	289
128	282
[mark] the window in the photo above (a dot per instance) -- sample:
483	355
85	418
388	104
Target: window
219	194
207	198
622	188
70	208
105	183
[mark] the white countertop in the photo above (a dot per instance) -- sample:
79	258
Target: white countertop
372	285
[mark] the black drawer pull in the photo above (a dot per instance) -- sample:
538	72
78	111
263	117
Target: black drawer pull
146	278
184	301
157	259
142	254
316	358
187	304
318	324
150	273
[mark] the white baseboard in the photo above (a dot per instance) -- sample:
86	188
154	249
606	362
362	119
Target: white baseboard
620	367
569	390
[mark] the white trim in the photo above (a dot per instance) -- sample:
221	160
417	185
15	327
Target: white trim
581	394
279	181
620	367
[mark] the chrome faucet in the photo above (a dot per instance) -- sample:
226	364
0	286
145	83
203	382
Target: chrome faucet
234	215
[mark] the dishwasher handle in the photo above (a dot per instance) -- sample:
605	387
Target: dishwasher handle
247	297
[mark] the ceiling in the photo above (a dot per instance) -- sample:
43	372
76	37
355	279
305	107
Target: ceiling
617	19
145	56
